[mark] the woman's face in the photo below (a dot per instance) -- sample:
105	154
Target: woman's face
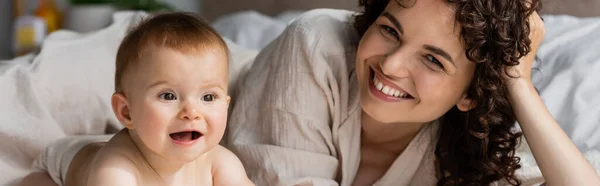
411	64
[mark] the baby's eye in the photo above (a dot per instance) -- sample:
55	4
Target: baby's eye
209	97
167	96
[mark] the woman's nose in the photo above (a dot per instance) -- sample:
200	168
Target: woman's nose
396	64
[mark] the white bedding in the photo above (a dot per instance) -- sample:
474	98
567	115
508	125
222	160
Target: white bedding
65	90
569	77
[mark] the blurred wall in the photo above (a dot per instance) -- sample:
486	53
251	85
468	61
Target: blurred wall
6	18
5	29
184	5
212	9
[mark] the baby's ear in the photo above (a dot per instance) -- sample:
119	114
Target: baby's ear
121	109
465	104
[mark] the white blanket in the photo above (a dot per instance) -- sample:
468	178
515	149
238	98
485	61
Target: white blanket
66	88
569	74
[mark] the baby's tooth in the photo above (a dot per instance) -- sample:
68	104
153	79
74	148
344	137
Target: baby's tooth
379	86
396	93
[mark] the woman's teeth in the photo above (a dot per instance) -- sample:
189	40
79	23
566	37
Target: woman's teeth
388	90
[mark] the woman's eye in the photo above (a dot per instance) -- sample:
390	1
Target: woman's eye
434	61
208	97
167	96
389	32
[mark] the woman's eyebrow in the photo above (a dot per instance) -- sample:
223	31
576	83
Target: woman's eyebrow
394	21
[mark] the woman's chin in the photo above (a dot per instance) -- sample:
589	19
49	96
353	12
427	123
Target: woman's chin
384	115
381	115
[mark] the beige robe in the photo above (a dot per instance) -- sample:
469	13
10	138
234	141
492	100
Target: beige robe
296	117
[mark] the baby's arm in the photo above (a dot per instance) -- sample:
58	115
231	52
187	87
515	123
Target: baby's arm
228	169
116	170
38	179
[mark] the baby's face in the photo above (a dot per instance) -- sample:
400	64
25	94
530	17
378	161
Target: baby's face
178	101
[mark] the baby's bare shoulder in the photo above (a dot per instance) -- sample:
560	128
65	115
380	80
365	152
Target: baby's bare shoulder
221	157
115	163
227	168
113	169
219	151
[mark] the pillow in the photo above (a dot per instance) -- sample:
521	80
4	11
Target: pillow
64	90
567	76
250	29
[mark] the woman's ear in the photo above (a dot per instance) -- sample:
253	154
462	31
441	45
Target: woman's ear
465	104
121	110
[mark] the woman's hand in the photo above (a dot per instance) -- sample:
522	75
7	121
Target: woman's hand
536	35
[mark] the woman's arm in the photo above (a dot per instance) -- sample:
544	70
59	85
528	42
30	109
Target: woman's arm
560	162
559	159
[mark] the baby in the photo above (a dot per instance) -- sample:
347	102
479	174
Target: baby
171	96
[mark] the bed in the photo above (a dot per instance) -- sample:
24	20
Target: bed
65	88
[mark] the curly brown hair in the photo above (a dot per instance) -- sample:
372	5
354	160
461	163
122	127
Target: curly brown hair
478	147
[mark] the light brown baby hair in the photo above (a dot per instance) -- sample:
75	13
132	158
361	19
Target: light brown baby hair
183	32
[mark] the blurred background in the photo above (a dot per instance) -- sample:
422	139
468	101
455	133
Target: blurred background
25	23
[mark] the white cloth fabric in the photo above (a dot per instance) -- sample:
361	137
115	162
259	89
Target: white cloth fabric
568	75
57	157
253	30
62	91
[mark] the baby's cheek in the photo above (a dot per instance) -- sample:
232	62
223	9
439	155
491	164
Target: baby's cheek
221	122
156	120
218	121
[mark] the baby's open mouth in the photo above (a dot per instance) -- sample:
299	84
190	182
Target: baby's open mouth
185	136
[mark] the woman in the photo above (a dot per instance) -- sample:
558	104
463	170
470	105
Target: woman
419	92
